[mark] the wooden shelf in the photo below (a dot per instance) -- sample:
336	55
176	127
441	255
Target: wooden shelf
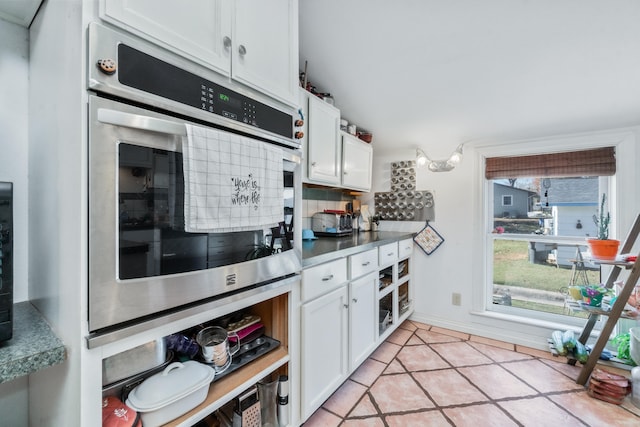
223	390
575	305
617	310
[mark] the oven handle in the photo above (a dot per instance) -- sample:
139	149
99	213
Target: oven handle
152	124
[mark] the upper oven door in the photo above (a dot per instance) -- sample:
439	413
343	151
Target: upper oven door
141	260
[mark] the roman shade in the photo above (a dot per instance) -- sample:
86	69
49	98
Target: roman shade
595	162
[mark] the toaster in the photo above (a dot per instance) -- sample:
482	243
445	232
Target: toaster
332	224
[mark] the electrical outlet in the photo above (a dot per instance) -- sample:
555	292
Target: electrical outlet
456	298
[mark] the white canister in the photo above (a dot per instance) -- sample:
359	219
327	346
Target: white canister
352	129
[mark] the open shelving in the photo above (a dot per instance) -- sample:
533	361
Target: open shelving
617	309
394	294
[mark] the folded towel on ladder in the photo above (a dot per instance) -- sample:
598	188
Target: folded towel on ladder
232	183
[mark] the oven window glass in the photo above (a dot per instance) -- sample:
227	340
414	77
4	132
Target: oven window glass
151	238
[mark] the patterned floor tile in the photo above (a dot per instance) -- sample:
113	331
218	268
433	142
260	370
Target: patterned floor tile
430	337
594	412
479	416
344	399
386	352
496	381
399	336
428	376
541	376
368	372
394	368
447	387
528	412
421	358
399	393
365	422
450	332
322	418
364	408
461	354
426	418
498	354
492	343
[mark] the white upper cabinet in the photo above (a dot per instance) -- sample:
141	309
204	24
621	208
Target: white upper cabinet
322	146
254	43
332	158
357	157
265	47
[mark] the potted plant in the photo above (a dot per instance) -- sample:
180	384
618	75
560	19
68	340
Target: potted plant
601	247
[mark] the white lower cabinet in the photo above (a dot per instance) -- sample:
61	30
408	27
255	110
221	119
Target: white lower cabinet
341	322
362	319
324	334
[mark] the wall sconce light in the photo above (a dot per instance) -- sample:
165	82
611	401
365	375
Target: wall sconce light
439	165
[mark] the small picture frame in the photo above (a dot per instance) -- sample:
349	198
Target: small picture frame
428	239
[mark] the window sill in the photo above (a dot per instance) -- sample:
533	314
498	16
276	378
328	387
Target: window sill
551	325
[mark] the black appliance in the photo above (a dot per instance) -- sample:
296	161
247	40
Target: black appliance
6	261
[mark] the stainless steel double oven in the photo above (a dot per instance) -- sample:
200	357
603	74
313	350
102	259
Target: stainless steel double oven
143	265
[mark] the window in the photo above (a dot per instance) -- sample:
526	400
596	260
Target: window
537	245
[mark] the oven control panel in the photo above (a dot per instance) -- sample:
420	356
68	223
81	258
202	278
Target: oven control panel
144	72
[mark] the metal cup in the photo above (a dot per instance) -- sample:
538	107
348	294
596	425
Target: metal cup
214	344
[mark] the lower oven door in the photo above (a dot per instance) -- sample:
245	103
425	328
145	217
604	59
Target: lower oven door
141	261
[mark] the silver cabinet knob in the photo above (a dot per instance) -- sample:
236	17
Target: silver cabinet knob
242	50
226	42
327	278
355	299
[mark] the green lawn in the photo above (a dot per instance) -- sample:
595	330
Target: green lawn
512	268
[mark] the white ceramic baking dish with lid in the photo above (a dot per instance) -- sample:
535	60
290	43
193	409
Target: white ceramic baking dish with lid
176	390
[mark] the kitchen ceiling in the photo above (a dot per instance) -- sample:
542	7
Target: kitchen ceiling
436	73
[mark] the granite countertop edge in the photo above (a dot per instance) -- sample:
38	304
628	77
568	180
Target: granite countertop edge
32	347
326	249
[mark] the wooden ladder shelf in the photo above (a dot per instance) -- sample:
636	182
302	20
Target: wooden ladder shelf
618	306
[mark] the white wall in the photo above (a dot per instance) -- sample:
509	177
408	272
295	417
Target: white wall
458	265
14	80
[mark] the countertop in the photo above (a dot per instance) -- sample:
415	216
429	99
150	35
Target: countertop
329	248
33	346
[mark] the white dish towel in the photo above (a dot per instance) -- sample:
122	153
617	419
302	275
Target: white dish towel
232	183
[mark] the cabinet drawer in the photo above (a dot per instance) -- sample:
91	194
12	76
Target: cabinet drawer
363	263
405	248
388	253
323	278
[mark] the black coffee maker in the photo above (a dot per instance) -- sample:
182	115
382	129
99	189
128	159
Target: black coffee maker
6	261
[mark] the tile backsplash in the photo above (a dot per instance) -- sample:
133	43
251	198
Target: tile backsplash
318	199
309	207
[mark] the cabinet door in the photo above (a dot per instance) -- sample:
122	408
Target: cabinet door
362	318
323	149
192	28
356	163
265	47
324	348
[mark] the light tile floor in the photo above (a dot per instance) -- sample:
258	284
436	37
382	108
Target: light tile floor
428	376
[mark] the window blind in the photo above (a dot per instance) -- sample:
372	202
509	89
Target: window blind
595	162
